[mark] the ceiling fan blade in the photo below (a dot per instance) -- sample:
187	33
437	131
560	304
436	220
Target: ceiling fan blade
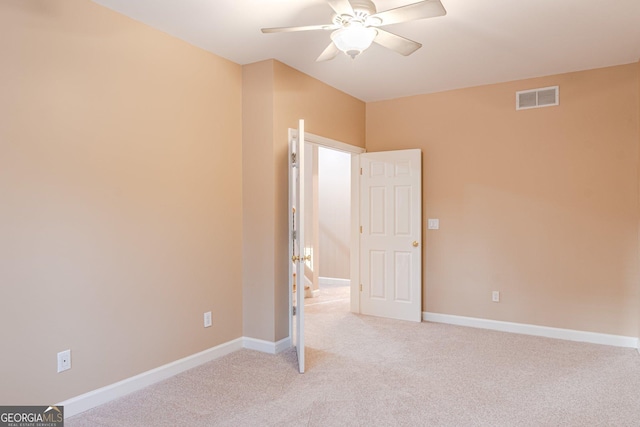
410	12
341	7
305	28
329	53
396	43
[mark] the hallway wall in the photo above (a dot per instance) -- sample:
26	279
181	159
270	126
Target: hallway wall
334	193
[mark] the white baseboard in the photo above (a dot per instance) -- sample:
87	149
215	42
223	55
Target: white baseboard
283	345
94	398
266	346
98	397
541	331
333	281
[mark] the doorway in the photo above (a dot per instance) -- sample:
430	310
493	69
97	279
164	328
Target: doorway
327	225
390	186
352	152
396	289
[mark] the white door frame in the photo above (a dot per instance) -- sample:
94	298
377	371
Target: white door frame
354	253
355	234
296	244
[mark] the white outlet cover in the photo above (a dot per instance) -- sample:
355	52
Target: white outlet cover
64	360
207	319
433	224
495	296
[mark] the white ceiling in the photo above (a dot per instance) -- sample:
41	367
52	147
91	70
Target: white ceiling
476	43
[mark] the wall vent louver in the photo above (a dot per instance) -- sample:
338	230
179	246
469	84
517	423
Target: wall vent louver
536	98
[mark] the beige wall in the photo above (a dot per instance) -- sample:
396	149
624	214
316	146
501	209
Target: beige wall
120	182
541	204
258	207
287	96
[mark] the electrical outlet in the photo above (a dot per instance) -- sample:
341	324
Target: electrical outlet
207	319
64	360
495	296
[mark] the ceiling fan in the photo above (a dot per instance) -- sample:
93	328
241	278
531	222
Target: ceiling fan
356	24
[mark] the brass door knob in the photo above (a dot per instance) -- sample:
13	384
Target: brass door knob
415	244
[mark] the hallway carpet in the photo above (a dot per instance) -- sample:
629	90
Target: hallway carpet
367	371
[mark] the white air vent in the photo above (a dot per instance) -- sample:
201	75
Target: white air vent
535	98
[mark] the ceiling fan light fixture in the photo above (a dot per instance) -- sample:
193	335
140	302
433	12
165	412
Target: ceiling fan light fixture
353	39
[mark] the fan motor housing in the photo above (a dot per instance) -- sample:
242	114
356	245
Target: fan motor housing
361	8
365	6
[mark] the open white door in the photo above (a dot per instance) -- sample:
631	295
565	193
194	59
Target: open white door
296	241
391	234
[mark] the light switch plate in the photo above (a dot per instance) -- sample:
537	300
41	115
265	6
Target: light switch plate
433	224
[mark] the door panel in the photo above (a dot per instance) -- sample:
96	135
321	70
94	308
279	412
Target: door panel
296	241
402	278
377	267
403	211
377	211
390	248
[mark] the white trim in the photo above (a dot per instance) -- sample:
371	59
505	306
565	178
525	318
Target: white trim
100	396
541	331
354	253
266	346
327	142
333	281
292	135
94	398
282	345
330	143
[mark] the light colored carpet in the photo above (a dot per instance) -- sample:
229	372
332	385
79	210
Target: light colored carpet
367	371
329	293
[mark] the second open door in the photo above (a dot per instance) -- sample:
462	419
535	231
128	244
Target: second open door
391	234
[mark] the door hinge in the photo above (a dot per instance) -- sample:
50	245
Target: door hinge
360	171
360	229
293	158
293	310
294	234
360	287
